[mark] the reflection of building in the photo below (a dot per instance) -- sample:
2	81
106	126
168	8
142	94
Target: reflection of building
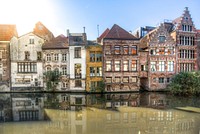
117	100
5	108
77	60
142	31
55	58
120	60
93	66
6	33
27	108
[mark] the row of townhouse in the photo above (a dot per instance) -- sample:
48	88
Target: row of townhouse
121	60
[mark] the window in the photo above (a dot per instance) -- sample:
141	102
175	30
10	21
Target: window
48	69
133	79
170	50
134	50
98	56
108	49
187	40
161	80
153	66
77	53
31	39
162	39
108	80
186	67
117	65
92	56
143	68
48	57
117	79
153	51
78	83
27	67
168	80
64	85
78	100
170	66
27	55
56	58
125	65
99	71
92	84
186	54
161	66
187	28
117	49
64	57
108	66
64	70
92	71
134	65
125	50
162	51
77	69
39	55
56	71
125	79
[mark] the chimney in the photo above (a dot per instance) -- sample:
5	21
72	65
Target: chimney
67	32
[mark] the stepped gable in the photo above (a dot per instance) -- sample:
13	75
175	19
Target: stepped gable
185	18
7	32
116	32
60	42
42	31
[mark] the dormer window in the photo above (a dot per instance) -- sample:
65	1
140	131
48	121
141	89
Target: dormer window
162	38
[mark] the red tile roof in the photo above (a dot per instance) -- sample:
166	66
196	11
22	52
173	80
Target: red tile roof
7	32
42	31
116	32
103	35
60	42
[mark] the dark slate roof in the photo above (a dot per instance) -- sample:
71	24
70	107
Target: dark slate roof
7	32
60	42
116	32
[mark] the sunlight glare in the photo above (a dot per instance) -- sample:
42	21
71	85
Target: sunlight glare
25	13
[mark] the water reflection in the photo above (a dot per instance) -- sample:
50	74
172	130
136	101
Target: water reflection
151	113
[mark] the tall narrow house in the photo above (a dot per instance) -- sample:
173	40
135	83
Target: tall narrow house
120	60
55	59
77	60
185	35
6	33
157	58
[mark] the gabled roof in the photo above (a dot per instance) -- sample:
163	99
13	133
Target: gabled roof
60	42
7	32
103	35
42	31
116	32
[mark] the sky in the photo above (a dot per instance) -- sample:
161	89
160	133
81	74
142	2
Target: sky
60	15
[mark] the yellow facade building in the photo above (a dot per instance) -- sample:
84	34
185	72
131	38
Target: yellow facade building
93	67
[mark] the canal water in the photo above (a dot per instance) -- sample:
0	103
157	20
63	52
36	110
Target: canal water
128	113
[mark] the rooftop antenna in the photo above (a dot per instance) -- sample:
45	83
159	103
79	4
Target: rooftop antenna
98	30
83	29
